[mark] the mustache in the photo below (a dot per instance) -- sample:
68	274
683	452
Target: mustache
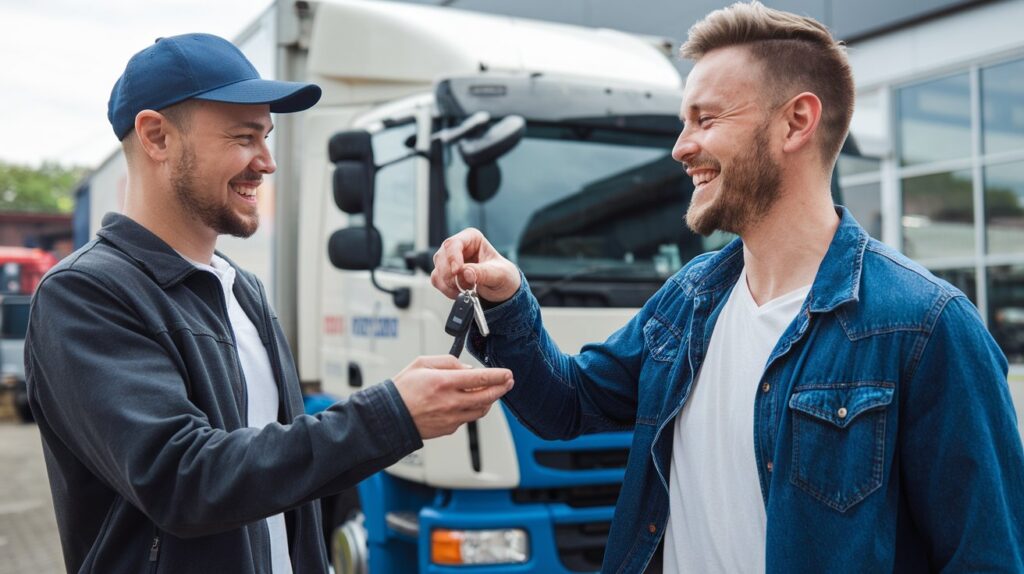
702	162
248	176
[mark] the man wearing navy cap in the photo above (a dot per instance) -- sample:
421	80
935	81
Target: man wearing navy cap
167	399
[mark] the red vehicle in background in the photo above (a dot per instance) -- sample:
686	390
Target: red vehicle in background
21	268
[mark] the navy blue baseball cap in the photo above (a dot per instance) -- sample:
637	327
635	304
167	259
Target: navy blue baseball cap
200	66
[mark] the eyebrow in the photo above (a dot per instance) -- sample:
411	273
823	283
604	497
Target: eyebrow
257	126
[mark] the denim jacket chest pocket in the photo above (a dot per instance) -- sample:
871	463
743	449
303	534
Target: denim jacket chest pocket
662	339
839	440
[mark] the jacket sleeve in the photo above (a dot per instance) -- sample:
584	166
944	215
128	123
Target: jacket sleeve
962	460
560	396
114	394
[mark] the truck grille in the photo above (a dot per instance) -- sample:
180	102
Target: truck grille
574	496
583	459
581	546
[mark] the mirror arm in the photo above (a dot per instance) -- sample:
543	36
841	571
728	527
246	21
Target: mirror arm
413	153
402	296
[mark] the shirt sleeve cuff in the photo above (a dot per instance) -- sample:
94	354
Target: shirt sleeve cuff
393	420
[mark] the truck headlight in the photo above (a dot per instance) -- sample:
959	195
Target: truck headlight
456	547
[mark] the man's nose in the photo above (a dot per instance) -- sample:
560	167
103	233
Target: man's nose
684	148
264	162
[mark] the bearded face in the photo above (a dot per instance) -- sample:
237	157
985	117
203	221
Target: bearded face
200	198
745	189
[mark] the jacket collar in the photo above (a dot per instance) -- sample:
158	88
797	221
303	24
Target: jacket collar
151	253
837	281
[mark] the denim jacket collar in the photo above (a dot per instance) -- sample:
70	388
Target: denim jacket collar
837	281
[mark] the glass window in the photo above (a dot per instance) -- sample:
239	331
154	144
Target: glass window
964	279
1006	309
1004	208
1002	89
579	203
935	120
14	317
394	200
851	165
865	204
10	278
938	215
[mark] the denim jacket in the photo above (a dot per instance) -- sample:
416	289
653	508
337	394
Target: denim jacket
884	432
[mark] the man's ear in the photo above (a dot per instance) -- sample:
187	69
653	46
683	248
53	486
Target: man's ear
802	114
154	132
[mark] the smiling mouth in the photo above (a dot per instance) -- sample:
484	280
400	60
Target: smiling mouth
702	178
246	189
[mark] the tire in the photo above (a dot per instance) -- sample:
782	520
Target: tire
344	532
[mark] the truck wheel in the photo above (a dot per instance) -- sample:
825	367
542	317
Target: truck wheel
349	546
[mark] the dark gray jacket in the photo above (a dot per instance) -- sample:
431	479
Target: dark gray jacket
135	381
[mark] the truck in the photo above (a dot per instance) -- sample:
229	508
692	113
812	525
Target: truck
552	139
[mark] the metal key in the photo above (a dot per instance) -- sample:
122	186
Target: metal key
478	314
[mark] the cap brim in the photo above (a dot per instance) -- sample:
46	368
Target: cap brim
283	97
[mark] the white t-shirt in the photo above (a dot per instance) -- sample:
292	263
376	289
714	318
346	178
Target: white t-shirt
261	388
717	518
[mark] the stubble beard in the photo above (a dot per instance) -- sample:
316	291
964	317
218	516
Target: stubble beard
746	193
216	216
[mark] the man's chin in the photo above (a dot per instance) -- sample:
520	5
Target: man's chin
241	228
698	220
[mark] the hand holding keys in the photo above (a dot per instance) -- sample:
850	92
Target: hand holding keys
467	308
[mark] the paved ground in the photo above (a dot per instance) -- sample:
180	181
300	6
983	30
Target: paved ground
28	530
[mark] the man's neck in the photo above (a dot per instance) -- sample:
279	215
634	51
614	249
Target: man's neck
162	216
783	251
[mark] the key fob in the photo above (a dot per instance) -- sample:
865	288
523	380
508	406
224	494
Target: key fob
460	316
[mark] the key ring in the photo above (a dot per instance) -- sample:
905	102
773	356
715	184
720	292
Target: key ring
461	290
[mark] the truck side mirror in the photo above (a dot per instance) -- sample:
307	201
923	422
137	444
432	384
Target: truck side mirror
355	248
351	152
498	140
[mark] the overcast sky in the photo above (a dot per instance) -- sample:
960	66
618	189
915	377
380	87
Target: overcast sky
60	58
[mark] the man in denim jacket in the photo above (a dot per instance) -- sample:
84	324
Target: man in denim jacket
804	400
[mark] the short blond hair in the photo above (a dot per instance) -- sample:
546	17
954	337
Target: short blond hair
796	54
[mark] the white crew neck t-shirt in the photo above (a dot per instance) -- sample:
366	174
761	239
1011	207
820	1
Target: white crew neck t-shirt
717	519
264	400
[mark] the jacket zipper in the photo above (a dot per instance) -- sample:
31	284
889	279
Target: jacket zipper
238	362
275	360
154	550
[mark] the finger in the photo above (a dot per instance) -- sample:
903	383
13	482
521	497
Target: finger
445	362
479	378
437	279
484	398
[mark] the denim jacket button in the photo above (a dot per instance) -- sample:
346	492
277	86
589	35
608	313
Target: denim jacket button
842	412
652	528
766	387
769	466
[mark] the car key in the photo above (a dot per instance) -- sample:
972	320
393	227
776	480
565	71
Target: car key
459	320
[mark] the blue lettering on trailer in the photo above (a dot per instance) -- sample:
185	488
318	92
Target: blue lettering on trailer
375	327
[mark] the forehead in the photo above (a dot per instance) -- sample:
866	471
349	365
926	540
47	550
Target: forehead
222	114
723	78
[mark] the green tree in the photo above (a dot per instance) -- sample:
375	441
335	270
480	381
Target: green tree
46	189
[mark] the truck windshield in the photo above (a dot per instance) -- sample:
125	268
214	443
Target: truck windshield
579	203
